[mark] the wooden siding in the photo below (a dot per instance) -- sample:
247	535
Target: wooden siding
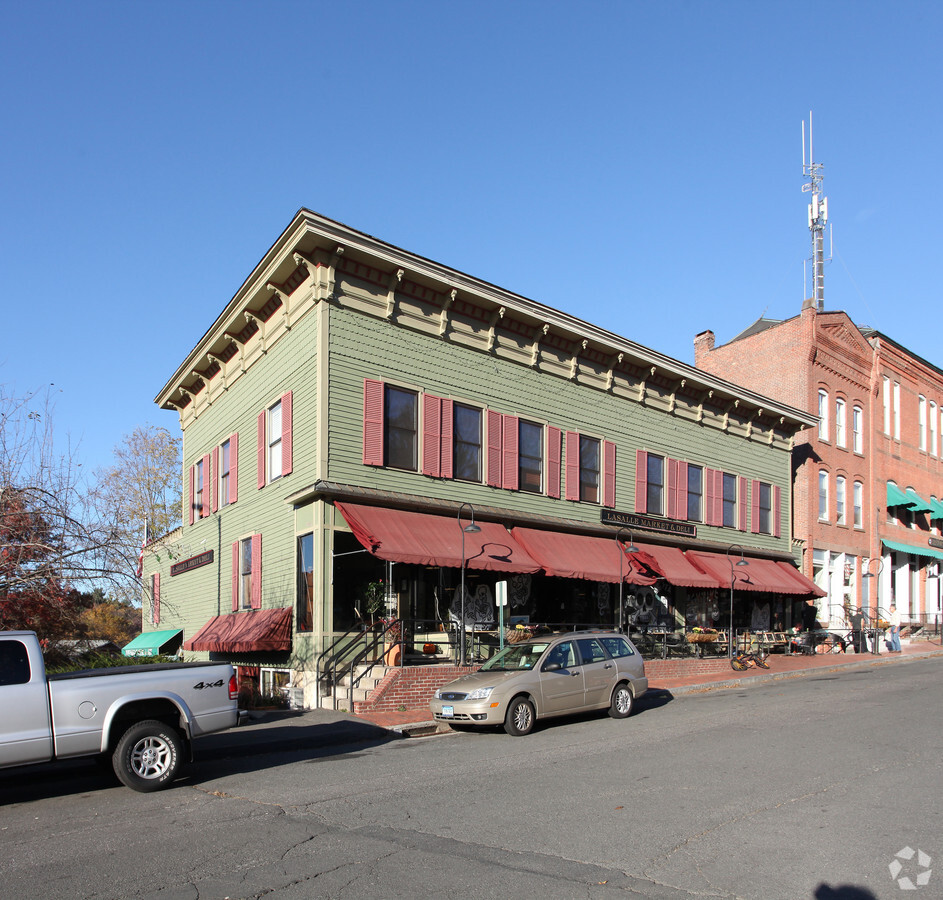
362	346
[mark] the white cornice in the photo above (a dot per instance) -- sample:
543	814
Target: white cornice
308	230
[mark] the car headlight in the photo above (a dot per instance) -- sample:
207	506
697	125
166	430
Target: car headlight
480	694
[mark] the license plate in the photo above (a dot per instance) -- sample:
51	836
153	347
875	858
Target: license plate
448	711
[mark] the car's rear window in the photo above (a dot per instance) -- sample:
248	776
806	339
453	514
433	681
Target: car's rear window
618	646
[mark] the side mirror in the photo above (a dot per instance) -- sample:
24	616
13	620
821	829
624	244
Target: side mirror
551	667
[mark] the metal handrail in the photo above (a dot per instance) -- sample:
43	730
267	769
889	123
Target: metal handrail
318	674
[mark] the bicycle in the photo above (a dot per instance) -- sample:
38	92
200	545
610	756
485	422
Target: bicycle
746	659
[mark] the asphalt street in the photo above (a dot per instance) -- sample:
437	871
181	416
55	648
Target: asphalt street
808	788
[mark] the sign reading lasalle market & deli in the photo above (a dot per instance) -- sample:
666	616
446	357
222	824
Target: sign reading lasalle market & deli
649	523
194	562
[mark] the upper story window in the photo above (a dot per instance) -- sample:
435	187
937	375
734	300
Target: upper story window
589	469
655	495
823	415
858	504
886	402
198	487
841	439
922	422
274	458
840	498
765	507
245	573
695	493
530	457
274	449
934	421
896	410
823	495
730	501
400	433
225	471
466	438
857	426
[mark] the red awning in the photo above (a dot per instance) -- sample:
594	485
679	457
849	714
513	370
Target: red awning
764	575
411	537
581	556
679	570
806	585
250	631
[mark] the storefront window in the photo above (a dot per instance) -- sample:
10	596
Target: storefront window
305	587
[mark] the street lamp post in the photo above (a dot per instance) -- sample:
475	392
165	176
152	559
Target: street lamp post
470	528
740	562
622	551
875	643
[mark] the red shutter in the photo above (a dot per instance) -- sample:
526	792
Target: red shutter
447	438
609	474
235	576
572	464
495	444
287	449
554	437
190	498
156	598
671	476
234	468
510	458
710	489
431	435
257	571
682	511
372	422
754	506
260	449
641	481
205	500
777	510
214	479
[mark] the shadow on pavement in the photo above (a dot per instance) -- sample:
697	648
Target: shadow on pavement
251	748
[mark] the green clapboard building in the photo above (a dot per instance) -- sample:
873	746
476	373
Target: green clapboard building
355	408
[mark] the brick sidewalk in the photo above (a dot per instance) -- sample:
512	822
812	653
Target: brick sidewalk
417	720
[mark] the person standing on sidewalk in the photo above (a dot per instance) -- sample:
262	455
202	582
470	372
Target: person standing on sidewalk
855	620
893	617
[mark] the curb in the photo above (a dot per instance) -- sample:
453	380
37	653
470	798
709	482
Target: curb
750	680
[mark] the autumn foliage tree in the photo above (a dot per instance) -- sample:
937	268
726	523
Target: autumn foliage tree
49	546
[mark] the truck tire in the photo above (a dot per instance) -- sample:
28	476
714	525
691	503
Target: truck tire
148	756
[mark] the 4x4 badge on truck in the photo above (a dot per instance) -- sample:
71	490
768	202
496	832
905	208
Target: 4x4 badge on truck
202	684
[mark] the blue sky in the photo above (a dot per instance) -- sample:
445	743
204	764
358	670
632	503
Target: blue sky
636	164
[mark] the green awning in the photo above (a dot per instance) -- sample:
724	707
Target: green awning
910	548
917	503
896	497
154	643
937	511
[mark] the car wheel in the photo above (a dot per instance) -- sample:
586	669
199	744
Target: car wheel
519	719
620	707
148	756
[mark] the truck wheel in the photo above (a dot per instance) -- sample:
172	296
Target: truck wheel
148	756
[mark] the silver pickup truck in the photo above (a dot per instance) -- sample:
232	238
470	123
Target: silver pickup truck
143	718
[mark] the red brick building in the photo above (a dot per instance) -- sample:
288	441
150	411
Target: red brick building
868	482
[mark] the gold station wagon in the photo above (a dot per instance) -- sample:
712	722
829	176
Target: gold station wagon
546	676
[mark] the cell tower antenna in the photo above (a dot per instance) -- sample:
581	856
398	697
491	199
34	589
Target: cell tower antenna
818	218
